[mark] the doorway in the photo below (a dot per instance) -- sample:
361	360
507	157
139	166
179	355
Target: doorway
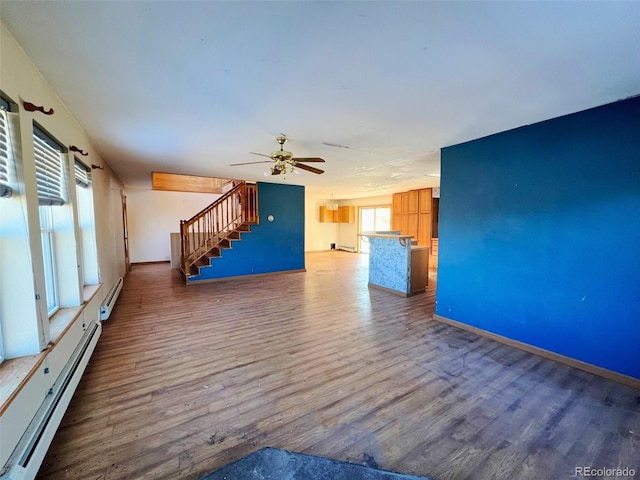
373	219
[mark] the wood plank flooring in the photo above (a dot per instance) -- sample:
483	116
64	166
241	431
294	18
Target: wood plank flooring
187	379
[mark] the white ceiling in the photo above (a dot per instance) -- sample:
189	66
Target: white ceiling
190	87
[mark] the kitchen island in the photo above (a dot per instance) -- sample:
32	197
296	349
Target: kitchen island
395	265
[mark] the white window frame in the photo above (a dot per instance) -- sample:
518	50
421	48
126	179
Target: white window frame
363	244
49	259
5	189
87	250
51	179
5	150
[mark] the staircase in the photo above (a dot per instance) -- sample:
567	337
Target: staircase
205	235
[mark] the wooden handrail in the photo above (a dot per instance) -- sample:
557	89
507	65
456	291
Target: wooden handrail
215	223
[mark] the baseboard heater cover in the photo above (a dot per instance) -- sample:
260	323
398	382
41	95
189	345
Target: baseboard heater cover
347	248
110	300
25	461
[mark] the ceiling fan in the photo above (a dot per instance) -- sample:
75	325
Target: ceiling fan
285	161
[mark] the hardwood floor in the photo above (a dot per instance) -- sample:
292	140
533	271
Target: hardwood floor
187	379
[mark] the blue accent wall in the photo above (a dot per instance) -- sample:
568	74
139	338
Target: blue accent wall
539	235
271	246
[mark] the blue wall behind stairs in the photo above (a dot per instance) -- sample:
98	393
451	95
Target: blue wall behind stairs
540	235
271	246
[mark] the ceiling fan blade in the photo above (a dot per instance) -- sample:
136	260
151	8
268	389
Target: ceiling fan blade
308	159
261	154
308	168
249	163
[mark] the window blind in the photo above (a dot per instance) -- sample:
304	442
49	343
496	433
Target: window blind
83	174
5	151
49	169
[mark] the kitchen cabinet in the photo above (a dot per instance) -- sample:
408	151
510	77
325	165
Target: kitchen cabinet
405	202
411	214
424	217
326	215
396	211
413	197
344	214
396	203
425	200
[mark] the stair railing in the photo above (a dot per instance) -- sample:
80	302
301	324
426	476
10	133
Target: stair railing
206	229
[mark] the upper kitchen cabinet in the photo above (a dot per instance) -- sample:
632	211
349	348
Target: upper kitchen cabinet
344	214
326	215
411	214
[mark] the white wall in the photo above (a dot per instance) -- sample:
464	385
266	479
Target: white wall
153	215
317	236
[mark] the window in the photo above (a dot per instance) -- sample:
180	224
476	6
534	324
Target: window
83	174
8	209
51	185
5	150
373	219
37	284
48	255
86	224
50	174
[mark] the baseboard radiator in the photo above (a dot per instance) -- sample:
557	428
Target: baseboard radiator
110	300
25	461
347	248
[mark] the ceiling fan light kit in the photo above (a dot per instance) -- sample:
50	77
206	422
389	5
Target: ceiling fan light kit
280	168
285	162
